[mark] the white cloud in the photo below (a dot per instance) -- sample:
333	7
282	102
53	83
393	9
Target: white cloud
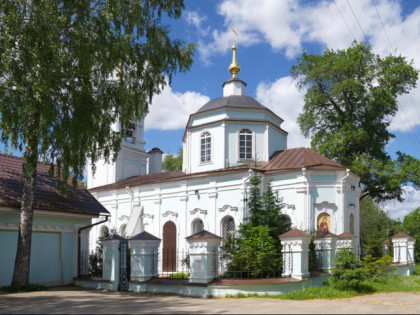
170	110
284	99
396	209
287	25
197	20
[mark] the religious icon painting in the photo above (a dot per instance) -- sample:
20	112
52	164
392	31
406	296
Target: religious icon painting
324	222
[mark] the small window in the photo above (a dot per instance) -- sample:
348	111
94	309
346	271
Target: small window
197	226
245	144
130	134
205	147
228	228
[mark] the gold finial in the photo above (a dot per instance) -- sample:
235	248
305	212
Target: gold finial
234	68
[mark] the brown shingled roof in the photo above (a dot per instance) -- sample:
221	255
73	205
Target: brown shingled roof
346	235
400	235
172	176
47	196
298	158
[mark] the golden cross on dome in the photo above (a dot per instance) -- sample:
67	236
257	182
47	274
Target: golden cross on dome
234	34
234	68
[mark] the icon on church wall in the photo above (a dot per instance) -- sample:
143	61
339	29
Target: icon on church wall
324	222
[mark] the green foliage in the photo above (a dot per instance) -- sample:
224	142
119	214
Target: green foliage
171	162
375	227
351	97
24	288
253	254
378	269
179	275
258	238
348	272
411	226
313	262
328	290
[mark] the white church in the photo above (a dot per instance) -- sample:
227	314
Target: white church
224	142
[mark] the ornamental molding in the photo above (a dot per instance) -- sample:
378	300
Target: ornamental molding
170	214
198	210
325	205
38	227
301	190
148	216
228	208
123	217
212	194
287	206
352	207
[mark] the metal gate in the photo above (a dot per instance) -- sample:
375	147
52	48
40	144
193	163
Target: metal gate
123	285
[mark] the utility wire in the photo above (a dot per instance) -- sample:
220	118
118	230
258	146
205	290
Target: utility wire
393	53
367	41
357	20
348	27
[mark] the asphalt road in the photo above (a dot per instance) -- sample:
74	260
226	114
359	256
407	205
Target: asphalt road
81	301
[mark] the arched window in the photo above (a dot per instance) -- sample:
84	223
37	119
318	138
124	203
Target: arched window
122	229
245	144
104	231
228	227
205	147
197	226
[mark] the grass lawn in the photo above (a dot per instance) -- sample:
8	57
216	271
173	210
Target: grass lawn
393	283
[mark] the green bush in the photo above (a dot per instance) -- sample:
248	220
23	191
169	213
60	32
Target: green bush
349	272
180	275
254	254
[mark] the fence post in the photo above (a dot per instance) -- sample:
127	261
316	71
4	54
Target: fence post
144	256
111	260
403	248
325	244
345	240
204	253
295	253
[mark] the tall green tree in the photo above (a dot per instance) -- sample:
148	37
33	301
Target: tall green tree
171	162
375	227
350	100
411	226
59	93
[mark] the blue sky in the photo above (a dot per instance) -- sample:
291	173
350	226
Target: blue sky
271	35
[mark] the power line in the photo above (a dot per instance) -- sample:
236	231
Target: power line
383	27
367	41
348	27
358	22
392	52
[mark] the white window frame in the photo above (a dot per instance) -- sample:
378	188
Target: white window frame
252	158
211	147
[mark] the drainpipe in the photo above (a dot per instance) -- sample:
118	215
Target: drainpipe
308	200
79	240
244	184
342	197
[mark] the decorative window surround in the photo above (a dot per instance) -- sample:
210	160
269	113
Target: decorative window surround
198	210
325	206
228	208
287	206
170	215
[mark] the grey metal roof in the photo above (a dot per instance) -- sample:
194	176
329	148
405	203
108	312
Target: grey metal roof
240	101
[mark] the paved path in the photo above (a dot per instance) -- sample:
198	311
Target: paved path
78	300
